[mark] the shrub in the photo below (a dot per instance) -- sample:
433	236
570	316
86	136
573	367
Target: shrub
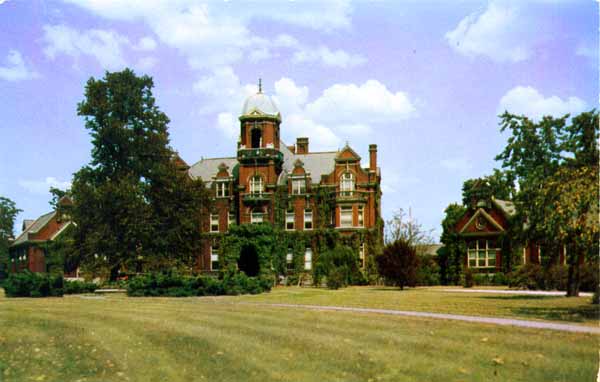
589	277
30	284
78	287
174	285
341	265
596	296
428	272
469	280
555	277
336	278
499	278
529	276
481	279
398	264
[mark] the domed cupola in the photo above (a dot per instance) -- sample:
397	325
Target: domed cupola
260	105
259	122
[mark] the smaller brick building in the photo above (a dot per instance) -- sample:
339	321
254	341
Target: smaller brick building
28	251
483	226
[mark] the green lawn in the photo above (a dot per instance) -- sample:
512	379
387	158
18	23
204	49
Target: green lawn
217	339
577	310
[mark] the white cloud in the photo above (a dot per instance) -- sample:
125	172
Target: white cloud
106	46
529	102
327	57
226	122
350	104
15	69
217	34
145	44
500	33
42	187
458	164
342	110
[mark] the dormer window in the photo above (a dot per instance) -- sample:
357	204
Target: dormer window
347	184
256	185
222	189
298	186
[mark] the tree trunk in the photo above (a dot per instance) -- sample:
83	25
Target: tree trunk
114	273
574	277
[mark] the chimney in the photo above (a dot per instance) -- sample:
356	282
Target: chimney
373	157
302	145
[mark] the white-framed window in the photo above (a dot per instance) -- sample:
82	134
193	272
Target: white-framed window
346	216
257	216
214	258
256	185
230	219
290	218
347	184
308	219
289	260
308	259
298	186
361	255
222	189
214	222
482	253
361	216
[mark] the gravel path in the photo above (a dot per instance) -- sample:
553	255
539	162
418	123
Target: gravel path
458	317
525	292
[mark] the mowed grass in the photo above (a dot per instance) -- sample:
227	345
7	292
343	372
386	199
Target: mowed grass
78	338
575	310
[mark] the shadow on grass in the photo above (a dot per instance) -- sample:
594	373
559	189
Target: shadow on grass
578	314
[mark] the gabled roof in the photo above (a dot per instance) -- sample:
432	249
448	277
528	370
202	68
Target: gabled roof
34	228
488	217
347	149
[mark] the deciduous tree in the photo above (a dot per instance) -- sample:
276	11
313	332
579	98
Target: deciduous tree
8	213
398	263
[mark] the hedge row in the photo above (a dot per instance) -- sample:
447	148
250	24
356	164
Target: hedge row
536	277
173	285
30	284
34	284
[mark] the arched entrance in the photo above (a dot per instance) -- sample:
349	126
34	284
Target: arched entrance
248	261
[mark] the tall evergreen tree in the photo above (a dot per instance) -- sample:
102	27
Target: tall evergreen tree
131	201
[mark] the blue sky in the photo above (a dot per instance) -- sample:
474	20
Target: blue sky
425	80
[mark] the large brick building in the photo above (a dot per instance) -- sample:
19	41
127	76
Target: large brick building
269	181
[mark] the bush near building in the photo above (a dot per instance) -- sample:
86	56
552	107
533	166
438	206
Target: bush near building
30	284
174	285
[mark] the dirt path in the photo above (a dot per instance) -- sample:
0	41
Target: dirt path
458	317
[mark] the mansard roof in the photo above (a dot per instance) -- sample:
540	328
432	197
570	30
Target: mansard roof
316	164
208	168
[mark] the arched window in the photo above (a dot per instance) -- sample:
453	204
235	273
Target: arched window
256	138
256	185
347	184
